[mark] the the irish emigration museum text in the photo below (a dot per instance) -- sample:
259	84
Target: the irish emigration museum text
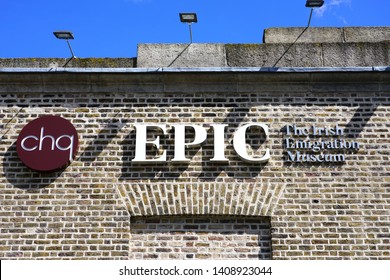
314	148
200	151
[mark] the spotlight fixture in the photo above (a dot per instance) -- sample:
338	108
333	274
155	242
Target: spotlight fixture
314	3
189	18
66	35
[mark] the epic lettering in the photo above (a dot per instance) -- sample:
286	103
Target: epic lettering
200	135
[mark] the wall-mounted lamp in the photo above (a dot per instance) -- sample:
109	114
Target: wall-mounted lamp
314	3
189	18
66	35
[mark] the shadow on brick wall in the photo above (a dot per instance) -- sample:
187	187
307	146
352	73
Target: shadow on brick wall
21	176
101	140
359	120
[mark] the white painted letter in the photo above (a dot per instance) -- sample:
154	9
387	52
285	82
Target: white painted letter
45	137
180	140
25	139
239	143
70	147
140	144
219	143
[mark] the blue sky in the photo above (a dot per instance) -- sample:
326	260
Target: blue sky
113	28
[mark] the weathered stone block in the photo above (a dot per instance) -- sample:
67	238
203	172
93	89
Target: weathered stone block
356	54
367	34
181	55
311	35
268	55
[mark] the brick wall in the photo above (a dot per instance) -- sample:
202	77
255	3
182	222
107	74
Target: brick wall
200	238
97	206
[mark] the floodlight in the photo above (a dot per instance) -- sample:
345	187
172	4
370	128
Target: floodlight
188	17
67	35
314	3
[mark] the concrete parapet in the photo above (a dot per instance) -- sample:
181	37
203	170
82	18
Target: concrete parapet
230	55
308	55
317	47
327	35
60	62
264	55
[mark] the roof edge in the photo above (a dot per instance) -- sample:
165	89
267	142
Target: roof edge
199	70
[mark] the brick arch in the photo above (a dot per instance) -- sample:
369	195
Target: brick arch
209	198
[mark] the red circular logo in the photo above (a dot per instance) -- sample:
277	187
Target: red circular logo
48	143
